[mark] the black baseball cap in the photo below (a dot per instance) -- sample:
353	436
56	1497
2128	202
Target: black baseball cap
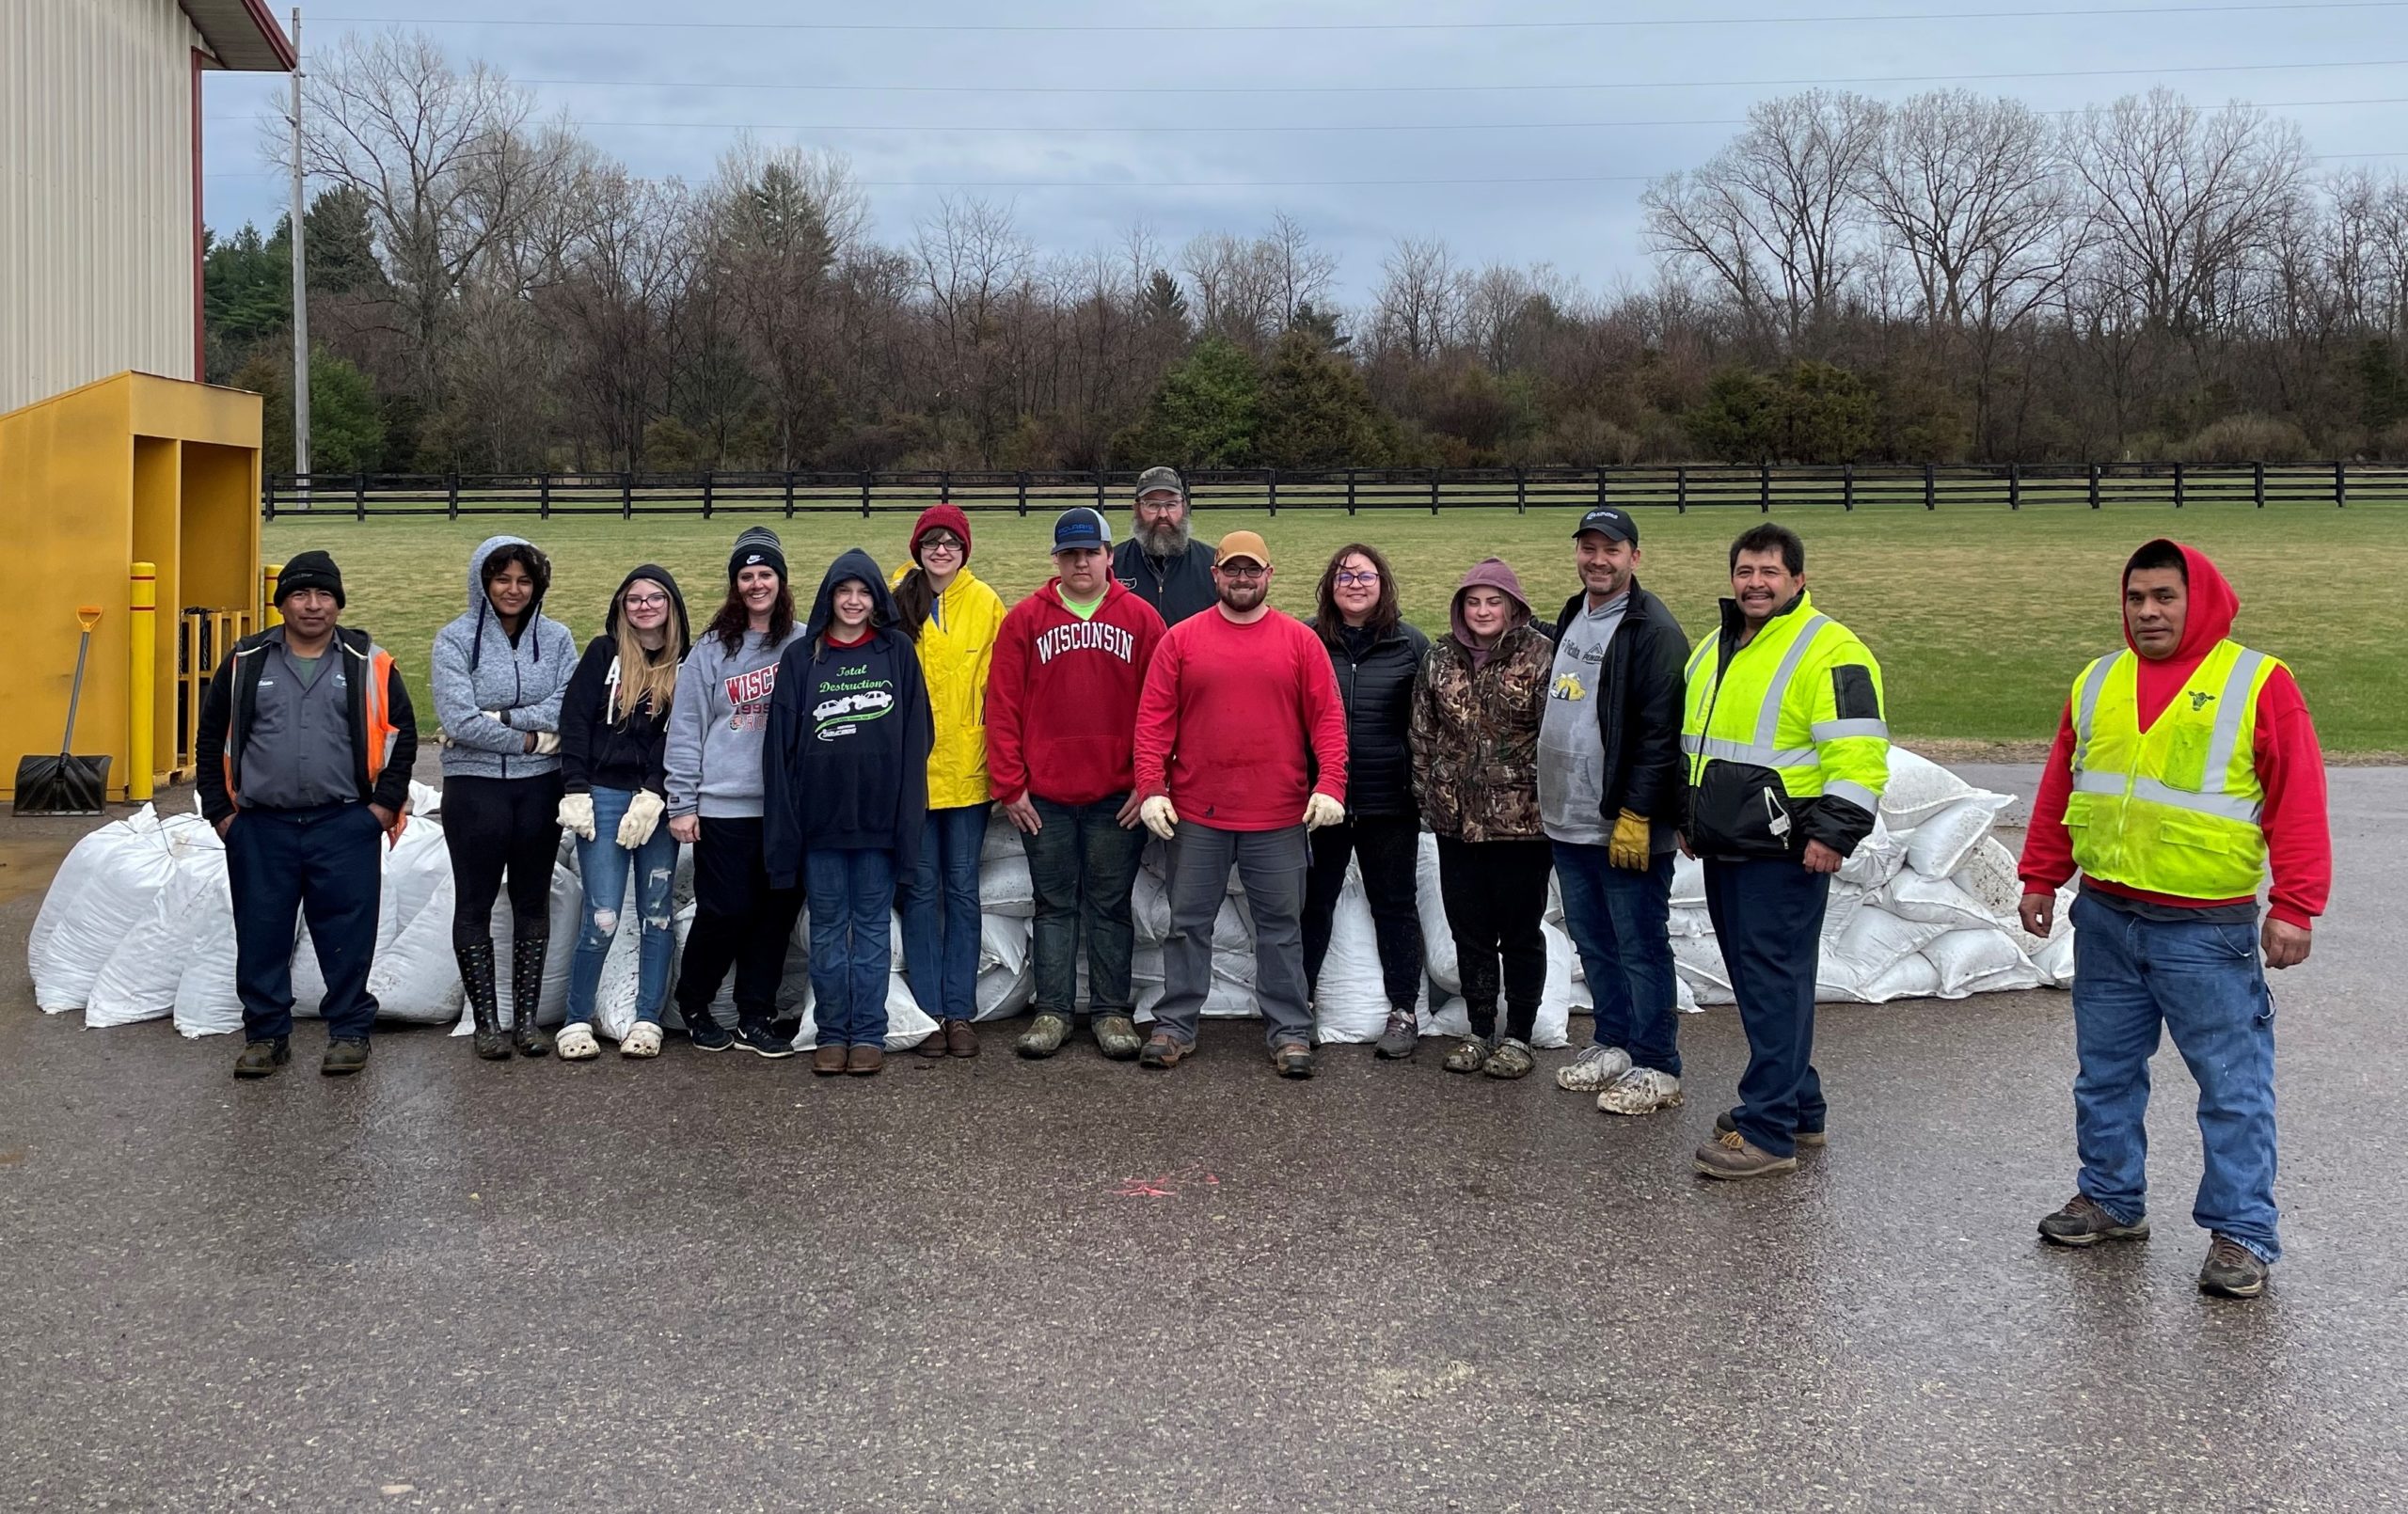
1609	523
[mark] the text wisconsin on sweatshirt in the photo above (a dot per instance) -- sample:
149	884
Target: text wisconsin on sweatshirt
1087	635
747	696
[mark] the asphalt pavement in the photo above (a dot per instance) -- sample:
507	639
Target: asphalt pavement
716	1283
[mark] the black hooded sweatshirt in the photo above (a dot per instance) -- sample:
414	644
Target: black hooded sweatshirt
846	765
629	754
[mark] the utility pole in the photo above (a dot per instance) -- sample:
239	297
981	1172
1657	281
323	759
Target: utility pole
300	279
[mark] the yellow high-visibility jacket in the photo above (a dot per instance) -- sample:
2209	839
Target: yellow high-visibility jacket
957	648
1785	737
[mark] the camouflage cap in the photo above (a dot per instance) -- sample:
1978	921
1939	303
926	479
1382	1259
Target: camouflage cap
1157	478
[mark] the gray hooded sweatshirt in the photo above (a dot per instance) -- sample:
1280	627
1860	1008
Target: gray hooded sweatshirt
478	667
718	723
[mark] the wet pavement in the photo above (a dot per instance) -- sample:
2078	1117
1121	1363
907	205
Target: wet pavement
716	1283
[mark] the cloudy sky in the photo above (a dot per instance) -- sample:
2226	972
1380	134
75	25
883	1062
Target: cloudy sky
1513	136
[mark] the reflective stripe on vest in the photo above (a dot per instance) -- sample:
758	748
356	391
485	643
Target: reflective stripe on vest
1762	751
2232	709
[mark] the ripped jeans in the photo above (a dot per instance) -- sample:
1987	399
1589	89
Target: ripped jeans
605	866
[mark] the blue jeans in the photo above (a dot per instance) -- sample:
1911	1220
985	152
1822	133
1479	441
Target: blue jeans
941	914
852	896
1082	865
603	865
1621	921
1767	915
2202	983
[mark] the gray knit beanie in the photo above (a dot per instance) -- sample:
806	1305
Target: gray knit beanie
758	547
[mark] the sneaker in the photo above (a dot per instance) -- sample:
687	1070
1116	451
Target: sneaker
1163	1050
1511	1059
828	1059
2082	1223
1116	1036
1044	1036
260	1058
707	1033
1595	1068
1469	1055
960	1040
575	1043
1641	1091
1802	1139
1294	1059
762	1039
343	1058
642	1041
1401	1038
864	1061
1732	1155
2233	1270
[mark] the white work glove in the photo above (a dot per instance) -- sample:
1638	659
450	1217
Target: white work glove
1321	810
547	743
1160	817
576	815
641	819
495	716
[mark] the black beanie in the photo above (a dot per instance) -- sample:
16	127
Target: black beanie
310	570
758	547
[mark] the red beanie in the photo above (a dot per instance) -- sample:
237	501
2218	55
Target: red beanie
948	516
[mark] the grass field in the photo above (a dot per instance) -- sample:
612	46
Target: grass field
1980	619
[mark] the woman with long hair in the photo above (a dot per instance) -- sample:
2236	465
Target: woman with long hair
1374	654
500	670
615	740
718	724
847	776
1477	708
951	619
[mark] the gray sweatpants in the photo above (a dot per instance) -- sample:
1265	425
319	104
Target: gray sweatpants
1271	865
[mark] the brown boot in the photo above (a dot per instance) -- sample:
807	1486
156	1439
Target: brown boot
828	1058
864	1061
959	1039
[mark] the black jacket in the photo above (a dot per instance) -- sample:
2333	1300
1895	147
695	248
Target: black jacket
1377	691
233	700
1638	713
1177	588
629	754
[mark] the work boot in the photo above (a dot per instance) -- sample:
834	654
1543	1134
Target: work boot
484	1005
1116	1037
2082	1223
1731	1155
1163	1050
864	1061
527	995
260	1058
343	1058
959	1039
1044	1036
1802	1139
1398	1038
828	1058
2233	1270
1294	1059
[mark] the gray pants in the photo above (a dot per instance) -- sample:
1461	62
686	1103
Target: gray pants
1271	865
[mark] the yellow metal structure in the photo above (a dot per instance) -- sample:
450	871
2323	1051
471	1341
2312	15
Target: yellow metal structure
142	675
130	469
268	577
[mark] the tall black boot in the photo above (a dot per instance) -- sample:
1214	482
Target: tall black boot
484	1003
526	994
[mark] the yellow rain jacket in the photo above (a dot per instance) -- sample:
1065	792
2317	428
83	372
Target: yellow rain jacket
957	648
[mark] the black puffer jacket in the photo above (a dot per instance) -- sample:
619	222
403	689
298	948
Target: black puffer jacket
1375	682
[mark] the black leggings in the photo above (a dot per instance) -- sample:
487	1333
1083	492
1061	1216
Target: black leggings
1496	897
493	826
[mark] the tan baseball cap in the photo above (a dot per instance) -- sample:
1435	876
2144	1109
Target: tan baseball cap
1246	544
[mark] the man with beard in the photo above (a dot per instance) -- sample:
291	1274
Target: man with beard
1238	704
1159	563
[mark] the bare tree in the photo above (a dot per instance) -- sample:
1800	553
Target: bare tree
1419	301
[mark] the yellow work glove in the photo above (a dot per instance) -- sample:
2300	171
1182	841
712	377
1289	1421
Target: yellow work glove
1160	817
1628	847
1321	810
577	814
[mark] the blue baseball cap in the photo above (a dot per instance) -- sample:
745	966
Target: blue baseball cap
1609	523
1081	525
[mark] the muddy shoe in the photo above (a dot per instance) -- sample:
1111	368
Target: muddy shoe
1640	1091
2082	1223
1294	1059
343	1058
1731	1155
1469	1055
1594	1071
1511	1059
2233	1270
1116	1037
1163	1050
1044	1036
1803	1138
1400	1039
260	1058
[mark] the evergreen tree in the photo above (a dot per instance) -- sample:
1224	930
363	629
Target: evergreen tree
1204	415
1318	412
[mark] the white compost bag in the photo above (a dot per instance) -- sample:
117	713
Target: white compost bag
1912	895
1350	1003
206	1003
1876	858
1912	976
1980	961
105	888
1438	941
138	982
1943	842
1918	789
1004	889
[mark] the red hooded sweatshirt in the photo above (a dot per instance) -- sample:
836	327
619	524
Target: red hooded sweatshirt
1062	696
2290	767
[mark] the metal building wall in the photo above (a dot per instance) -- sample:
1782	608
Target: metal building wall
96	192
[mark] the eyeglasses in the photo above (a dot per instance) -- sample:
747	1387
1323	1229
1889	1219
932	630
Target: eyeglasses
646	601
1231	569
933	543
1348	581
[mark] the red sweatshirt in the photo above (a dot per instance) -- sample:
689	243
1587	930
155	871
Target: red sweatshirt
2299	843
1229	715
1062	697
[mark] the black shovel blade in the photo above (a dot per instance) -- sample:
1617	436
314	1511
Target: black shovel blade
62	786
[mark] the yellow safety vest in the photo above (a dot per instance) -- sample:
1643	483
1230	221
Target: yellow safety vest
1774	706
2174	809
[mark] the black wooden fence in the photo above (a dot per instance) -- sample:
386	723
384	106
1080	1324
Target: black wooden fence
1845	486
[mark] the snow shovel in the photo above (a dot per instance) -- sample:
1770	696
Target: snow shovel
66	784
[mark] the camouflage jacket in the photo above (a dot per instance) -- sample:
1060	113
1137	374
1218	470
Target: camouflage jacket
1476	737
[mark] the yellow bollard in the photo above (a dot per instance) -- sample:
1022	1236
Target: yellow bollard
142	684
269	614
